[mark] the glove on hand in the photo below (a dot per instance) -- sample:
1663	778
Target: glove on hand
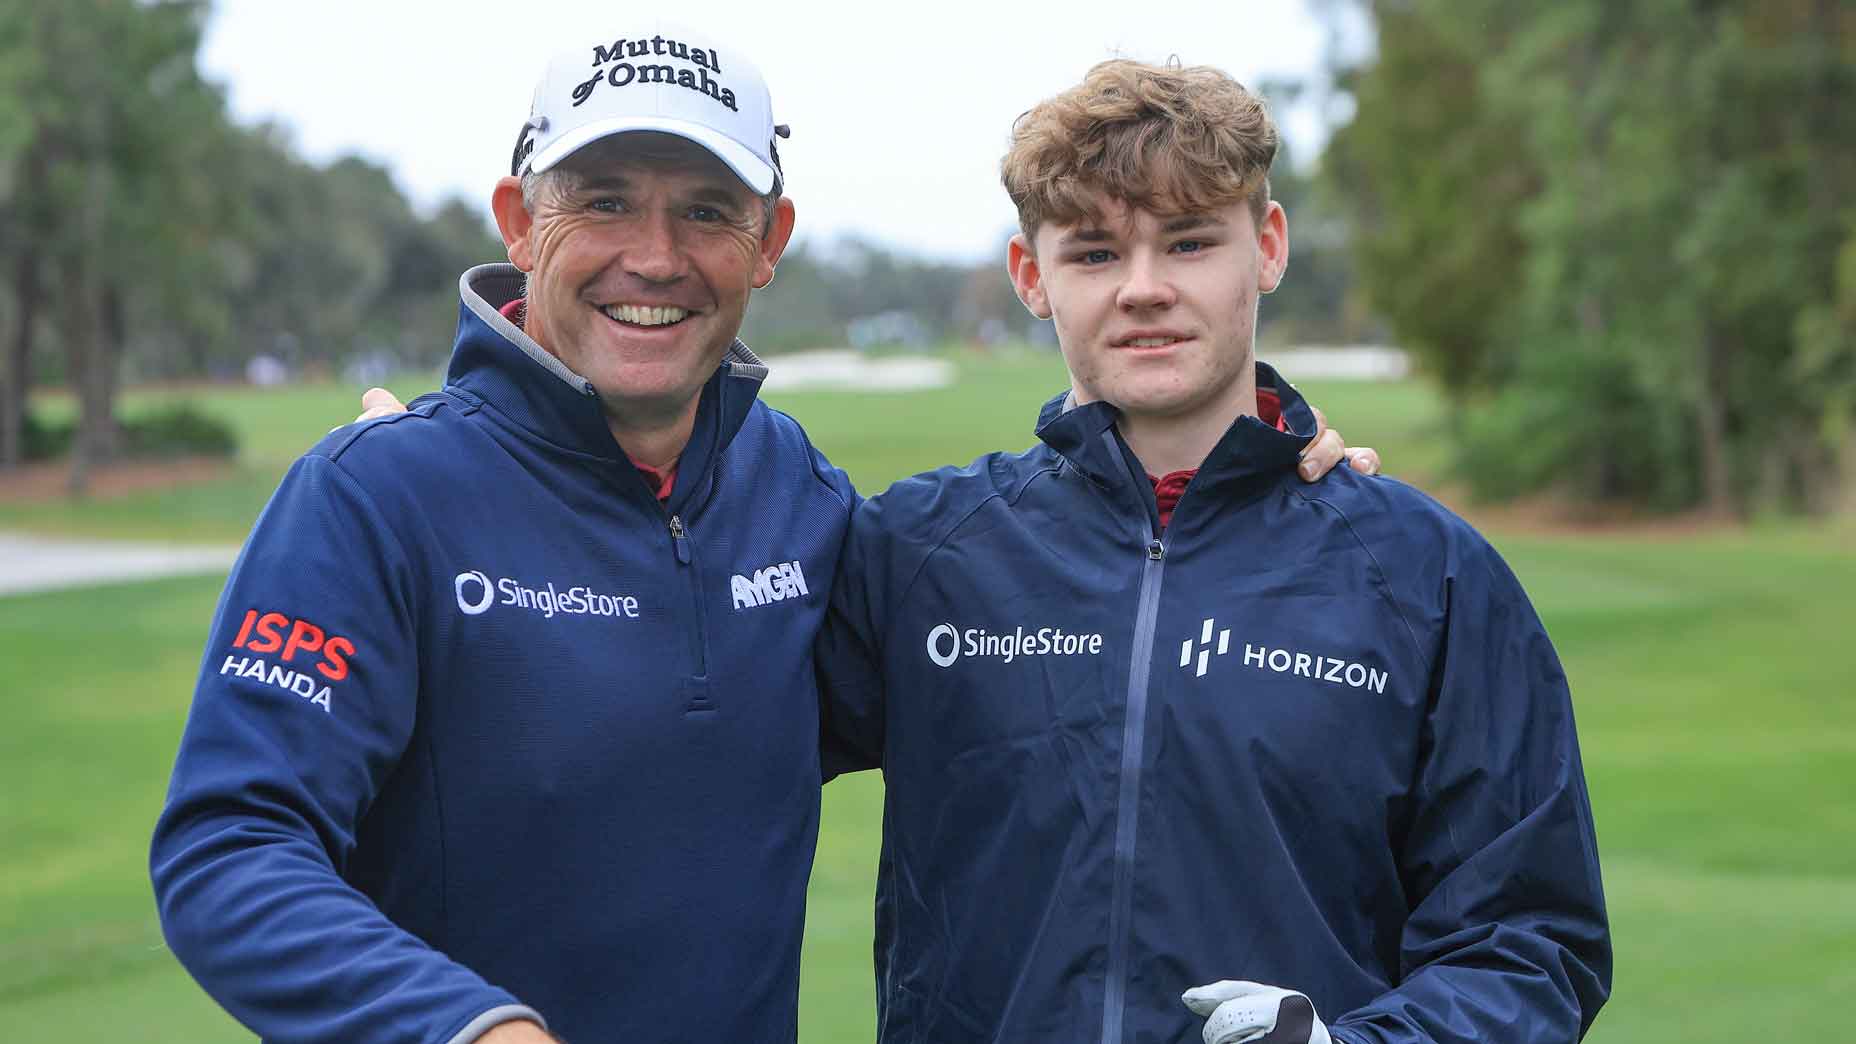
1252	1013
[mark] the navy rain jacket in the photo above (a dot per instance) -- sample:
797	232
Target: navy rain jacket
1311	736
483	728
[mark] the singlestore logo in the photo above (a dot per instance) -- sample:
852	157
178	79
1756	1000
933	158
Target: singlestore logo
946	644
477	593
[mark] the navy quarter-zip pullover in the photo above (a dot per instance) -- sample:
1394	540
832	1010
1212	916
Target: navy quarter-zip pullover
484	729
1311	736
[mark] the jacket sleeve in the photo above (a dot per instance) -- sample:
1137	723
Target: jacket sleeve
849	652
304	706
1507	937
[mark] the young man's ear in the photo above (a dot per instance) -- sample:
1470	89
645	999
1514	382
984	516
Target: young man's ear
514	221
1273	246
773	244
1027	278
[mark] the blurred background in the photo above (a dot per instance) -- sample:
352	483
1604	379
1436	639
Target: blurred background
1585	270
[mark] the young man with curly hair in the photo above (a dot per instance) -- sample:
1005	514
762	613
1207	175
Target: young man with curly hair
1152	713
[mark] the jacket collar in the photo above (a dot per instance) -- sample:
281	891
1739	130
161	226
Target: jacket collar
494	361
1249	456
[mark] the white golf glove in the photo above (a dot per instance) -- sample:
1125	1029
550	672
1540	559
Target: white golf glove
1252	1013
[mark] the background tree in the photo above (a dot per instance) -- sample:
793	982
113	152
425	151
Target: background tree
142	234
1431	175
1613	231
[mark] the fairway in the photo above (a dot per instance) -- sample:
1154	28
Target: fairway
1717	721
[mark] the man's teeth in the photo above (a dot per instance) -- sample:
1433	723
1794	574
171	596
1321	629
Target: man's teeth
1149	342
639	315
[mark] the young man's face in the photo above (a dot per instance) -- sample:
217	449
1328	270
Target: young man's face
1156	313
639	274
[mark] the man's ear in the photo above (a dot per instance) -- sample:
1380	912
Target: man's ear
773	244
1273	247
514	221
1027	278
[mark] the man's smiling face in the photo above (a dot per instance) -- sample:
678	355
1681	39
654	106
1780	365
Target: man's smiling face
640	261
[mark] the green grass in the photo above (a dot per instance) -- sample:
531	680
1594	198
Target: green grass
274	427
94	701
1720	744
1715	709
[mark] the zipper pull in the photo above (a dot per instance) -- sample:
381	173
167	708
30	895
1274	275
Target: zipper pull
677	541
1155	550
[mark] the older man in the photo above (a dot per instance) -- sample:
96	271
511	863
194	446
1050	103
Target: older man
484	738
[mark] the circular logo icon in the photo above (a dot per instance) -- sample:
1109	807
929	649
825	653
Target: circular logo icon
935	637
486	594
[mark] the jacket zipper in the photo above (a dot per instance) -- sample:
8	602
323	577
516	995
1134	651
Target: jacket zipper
1127	815
680	544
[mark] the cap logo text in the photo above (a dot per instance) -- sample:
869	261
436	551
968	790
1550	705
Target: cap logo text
614	69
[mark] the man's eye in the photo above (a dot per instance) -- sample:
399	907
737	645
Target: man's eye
1096	257
1190	246
608	204
706	214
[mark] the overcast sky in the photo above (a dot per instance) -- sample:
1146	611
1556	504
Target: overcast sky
899	112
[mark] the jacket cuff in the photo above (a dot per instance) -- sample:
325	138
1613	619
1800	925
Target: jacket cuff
496	1016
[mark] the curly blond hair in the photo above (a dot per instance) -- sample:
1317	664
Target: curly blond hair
1161	138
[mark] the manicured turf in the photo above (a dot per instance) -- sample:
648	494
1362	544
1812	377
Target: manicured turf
1713	700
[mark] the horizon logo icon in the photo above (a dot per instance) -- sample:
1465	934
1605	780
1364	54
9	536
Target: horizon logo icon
1205	653
487	593
944	633
1331	669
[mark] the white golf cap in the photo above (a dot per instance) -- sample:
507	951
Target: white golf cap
654	76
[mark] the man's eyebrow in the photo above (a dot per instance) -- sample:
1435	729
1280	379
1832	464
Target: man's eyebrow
1192	222
716	194
603	182
1090	234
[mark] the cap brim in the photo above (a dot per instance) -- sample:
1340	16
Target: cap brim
756	173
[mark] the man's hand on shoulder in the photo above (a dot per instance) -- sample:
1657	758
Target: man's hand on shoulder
1325	450
1251	1013
379	402
516	1031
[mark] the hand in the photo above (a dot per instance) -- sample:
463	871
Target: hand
1252	1013
379	402
1327	449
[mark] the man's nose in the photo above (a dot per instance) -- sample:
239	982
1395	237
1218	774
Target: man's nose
1145	284
656	254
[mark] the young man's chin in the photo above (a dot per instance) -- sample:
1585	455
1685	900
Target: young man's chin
1155	398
